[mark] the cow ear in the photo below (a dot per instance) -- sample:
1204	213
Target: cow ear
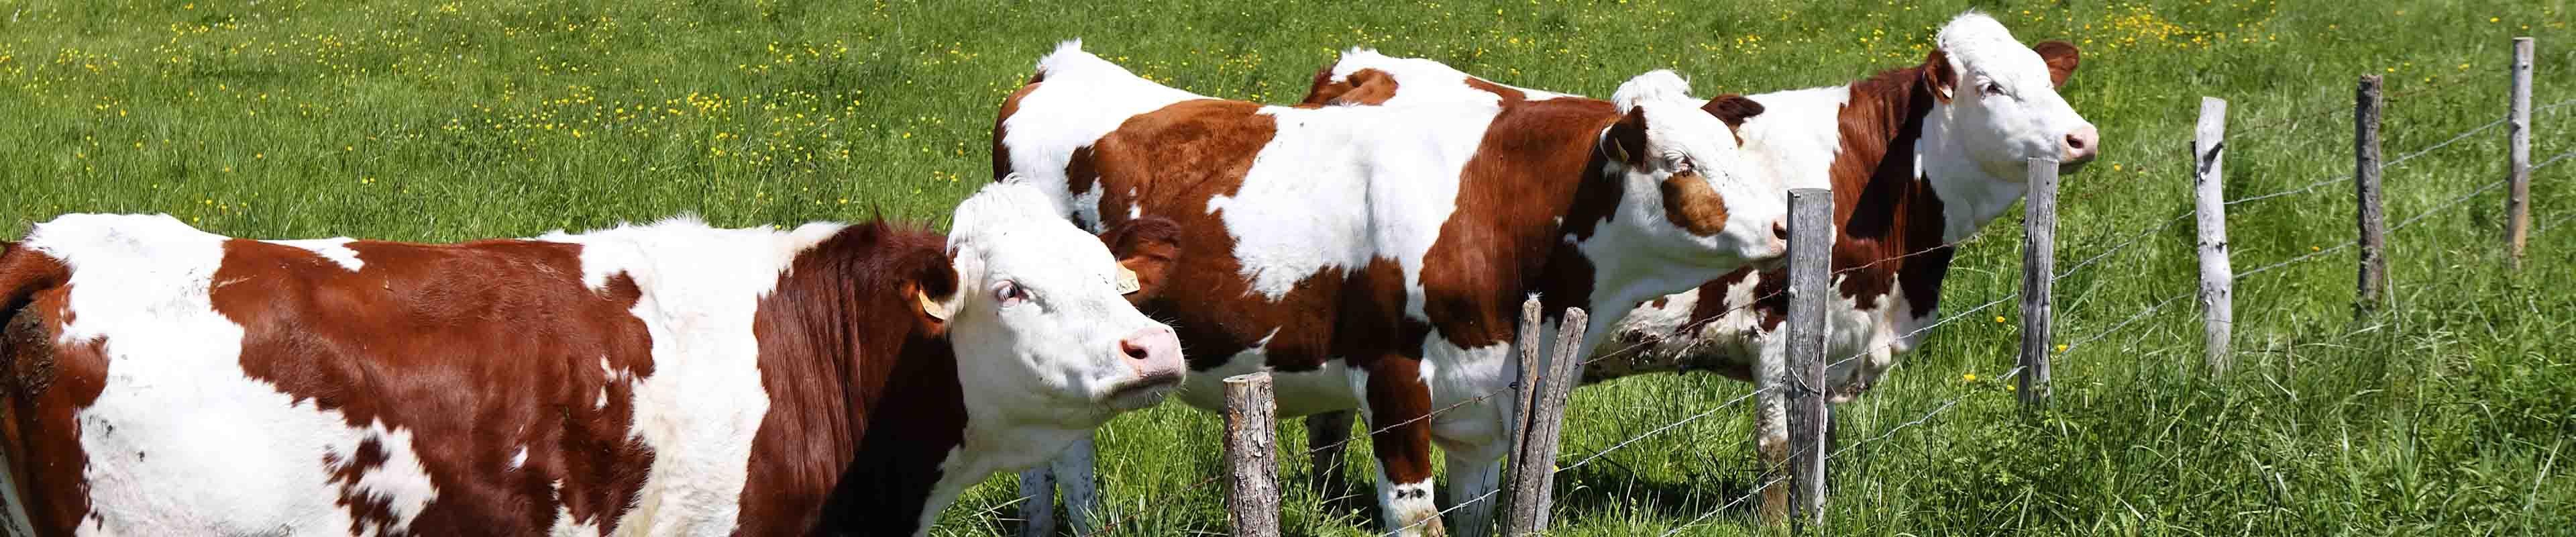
1625	142
1146	248
935	296
1323	89
2062	60
1938	76
1732	109
1369	87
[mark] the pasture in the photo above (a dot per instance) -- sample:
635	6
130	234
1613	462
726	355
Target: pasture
2452	413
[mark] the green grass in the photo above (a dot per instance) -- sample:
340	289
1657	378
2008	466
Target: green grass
2449	414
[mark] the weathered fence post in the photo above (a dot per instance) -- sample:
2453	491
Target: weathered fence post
2517	125
2217	277
1811	244
2365	181
1533	471
1250	441
2038	274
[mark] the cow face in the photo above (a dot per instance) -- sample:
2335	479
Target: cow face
2002	96
1693	195
1041	321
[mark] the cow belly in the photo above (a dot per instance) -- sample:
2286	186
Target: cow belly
1326	389
182	442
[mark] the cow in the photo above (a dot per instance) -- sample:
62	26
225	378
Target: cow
659	379
1960	125
1373	257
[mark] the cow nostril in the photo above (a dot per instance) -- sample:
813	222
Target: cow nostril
1780	230
2074	142
1133	350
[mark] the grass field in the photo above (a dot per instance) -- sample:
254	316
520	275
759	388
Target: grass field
2449	414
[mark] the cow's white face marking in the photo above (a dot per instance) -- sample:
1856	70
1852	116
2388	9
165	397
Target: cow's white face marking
1041	328
2004	108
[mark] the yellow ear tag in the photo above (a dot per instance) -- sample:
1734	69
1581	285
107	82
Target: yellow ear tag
933	307
1127	284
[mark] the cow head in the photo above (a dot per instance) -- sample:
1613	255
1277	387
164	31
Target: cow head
2001	97
1689	195
1040	318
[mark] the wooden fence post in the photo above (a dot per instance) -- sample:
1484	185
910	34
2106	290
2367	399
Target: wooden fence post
1533	472
2517	202
1250	444
2038	274
1811	244
2217	277
2365	181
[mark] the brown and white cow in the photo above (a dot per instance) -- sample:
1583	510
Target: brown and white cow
664	379
1373	257
1918	157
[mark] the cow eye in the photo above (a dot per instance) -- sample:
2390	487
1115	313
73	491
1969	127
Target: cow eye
1992	89
1009	293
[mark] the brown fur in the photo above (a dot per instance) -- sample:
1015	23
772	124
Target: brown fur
48	384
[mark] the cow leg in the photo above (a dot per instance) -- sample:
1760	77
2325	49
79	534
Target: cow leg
1073	470
1771	429
1475	473
1325	437
1037	501
1073	475
1399	407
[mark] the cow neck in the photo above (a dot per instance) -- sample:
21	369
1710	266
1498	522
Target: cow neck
1905	189
868	407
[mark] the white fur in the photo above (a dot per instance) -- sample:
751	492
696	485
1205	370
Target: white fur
1421	81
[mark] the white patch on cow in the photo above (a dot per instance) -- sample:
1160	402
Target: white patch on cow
142	283
565	524
602	401
1083	97
335	249
1424	81
703	403
520	459
1408	508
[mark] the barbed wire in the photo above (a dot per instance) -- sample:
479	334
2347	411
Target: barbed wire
1658	430
1721	508
2124	323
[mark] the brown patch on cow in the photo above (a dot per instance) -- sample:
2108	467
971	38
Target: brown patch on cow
479	350
1368	87
1168	163
1886	211
1010	107
1323	89
1081	171
2062	59
1734	110
1692	205
862	412
1377	338
1150	247
1508	94
1533	166
47	384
